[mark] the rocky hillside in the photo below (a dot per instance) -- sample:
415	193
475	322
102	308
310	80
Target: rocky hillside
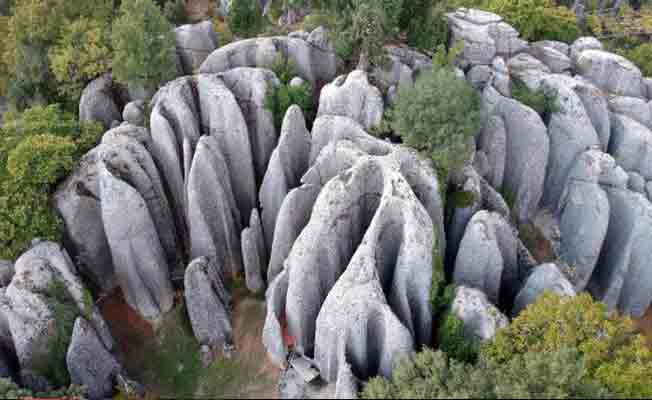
341	231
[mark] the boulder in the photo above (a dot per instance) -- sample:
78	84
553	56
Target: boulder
526	154
582	44
101	101
546	277
487	258
134	113
213	215
493	142
222	118
621	277
251	86
584	212
570	131
561	47
194	43
7	272
346	385
636	183
501	81
631	145
356	325
254	254
354	97
639	110
481	319
528	69
141	267
648	85
314	58
467	202
611	72
89	363
288	163
479	76
554	59
208	303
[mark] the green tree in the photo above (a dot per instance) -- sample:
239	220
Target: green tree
82	53
438	115
433	375
143	44
615	355
246	18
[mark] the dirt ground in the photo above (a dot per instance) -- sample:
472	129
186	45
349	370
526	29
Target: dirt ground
247	374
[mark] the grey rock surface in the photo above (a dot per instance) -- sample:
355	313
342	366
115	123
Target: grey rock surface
194	43
638	109
100	101
546	277
134	113
631	145
481	318
89	363
610	72
208	303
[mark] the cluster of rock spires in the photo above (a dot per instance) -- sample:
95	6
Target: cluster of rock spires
339	228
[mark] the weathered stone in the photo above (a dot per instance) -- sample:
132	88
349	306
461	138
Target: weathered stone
356	325
134	113
621	278
582	44
635	108
479	76
561	47
493	142
631	145
346	386
208	303
288	163
481	318
354	97
557	61
648	84
194	43
213	215
584	212
251	86
222	118
570	131
636	183
297	82
546	277
6	272
610	72
487	258
89	363
100	101
314	58
470	191
528	69
139	259
273	332
254	254
501	80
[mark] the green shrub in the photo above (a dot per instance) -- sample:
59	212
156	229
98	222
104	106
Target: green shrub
543	103
451	339
432	375
38	148
9	390
280	98
615	355
640	55
223	32
144	45
538	19
438	116
64	312
246	18
176	12
317	19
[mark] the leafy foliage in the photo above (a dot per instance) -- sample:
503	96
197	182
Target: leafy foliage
281	97
223	31
38	148
64	312
432	375
438	116
641	55
246	18
452	340
176	12
541	102
615	355
9	390
144	46
538	19
81	53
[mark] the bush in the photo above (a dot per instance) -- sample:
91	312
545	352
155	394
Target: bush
280	98
538	19
64	312
640	55
223	32
615	355
175	11
81	54
451	339
438	116
144	45
9	390
432	375
543	103
317	19
39	147
246	18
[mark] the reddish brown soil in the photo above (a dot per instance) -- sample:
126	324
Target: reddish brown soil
644	324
